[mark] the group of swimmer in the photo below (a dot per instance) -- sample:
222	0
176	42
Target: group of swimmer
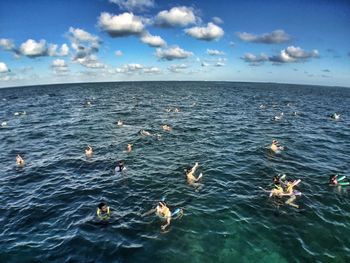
281	186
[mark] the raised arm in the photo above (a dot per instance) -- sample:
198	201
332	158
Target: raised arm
194	167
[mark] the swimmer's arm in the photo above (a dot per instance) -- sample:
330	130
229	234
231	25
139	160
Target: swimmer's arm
149	212
194	168
168	220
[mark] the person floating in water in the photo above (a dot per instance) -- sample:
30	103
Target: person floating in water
163	211
103	212
19	161
88	151
120	167
275	147
335	116
129	147
342	181
145	133
191	179
166	128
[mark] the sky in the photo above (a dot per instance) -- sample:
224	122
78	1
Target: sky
61	41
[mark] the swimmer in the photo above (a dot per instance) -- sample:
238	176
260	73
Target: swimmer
103	211
163	211
166	128
176	110
290	185
278	117
4	124
334	180
191	179
168	109
87	103
275	147
19	161
262	106
120	123
129	147
120	167
335	116
88	151
145	133
279	179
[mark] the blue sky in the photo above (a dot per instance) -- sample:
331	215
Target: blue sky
303	42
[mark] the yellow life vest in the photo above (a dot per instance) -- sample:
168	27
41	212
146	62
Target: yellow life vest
104	216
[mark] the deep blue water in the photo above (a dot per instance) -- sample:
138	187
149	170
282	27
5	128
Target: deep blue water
48	208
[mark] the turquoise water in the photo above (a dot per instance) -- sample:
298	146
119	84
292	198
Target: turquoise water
48	207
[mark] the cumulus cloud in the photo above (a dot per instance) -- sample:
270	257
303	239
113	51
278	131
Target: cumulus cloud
172	53
219	64
177	68
32	48
78	35
255	60
293	54
60	67
217	20
288	55
208	33
176	16
8	45
152	70
125	24
134	5
275	37
214	52
53	50
118	53
152	41
3	68
90	61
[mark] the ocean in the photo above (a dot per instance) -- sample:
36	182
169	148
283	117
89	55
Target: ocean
48	207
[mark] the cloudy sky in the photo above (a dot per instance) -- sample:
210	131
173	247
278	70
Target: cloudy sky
58	41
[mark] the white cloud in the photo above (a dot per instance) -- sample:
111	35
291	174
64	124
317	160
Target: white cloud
7	44
293	54
177	68
255	60
217	20
90	61
129	68
219	64
152	41
52	50
80	35
152	70
176	16
3	68
172	53
118	53
208	33
205	64
134	5
60	67
275	37
288	55
214	52
125	24
33	49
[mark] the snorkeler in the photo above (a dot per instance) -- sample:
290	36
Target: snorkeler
275	147
88	151
145	133
335	116
19	161
120	167
129	147
103	211
163	211
166	128
191	179
334	180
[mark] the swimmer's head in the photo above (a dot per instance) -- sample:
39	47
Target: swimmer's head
332	178
102	206
188	169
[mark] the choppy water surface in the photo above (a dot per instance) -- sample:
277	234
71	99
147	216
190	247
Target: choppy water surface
47	211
